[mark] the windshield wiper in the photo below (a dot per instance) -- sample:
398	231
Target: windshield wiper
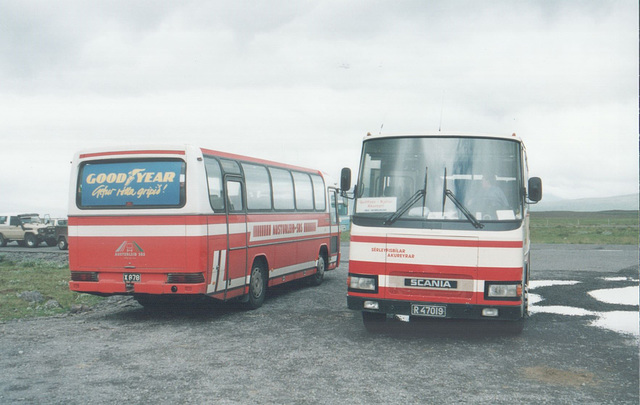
404	207
409	203
448	193
463	209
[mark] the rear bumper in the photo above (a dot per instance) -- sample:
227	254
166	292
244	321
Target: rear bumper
118	288
453	311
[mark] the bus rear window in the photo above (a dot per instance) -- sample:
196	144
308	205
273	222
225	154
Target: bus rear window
132	184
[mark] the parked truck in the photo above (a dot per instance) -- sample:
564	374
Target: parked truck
26	229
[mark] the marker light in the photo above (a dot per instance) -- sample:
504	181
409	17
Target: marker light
84	276
489	311
179	278
371	305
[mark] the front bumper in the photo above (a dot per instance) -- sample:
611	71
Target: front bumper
453	311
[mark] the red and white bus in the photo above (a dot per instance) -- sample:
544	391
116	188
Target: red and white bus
158	221
441	228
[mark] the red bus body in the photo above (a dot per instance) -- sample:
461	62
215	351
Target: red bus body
190	242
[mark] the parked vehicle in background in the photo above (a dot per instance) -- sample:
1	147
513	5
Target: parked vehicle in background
441	228
26	229
61	233
166	222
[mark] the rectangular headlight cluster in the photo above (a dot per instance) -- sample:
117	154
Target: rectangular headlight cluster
504	290
362	283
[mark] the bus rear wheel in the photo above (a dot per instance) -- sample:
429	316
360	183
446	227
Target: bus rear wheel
257	286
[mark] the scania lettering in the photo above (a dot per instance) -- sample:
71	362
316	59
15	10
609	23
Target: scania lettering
416	282
440	228
184	222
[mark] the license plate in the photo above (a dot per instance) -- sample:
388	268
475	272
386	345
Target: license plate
131	277
436	311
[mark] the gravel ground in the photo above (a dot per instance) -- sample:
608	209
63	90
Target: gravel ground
305	346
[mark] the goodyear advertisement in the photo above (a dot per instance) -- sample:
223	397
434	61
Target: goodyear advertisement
123	184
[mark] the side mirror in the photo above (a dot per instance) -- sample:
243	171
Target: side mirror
345	179
534	190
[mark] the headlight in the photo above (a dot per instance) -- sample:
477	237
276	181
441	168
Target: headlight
357	282
504	290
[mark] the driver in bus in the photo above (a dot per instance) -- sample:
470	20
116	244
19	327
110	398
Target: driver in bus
489	198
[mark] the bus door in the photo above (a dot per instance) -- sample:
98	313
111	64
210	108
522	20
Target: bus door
334	228
236	264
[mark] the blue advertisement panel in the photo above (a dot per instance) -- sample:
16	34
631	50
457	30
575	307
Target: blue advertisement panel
130	184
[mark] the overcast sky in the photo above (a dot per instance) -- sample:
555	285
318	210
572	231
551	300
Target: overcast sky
303	81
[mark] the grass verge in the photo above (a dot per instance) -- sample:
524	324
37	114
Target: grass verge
604	228
600	228
51	280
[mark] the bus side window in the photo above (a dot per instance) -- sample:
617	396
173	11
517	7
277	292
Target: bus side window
234	196
304	191
319	196
258	187
282	189
214	180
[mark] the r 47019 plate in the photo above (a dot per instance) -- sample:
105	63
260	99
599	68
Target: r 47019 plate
435	311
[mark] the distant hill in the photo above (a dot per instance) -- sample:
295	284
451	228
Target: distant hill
622	203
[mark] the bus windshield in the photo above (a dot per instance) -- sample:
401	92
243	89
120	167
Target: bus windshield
462	179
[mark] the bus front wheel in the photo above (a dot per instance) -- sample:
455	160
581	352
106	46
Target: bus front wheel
318	276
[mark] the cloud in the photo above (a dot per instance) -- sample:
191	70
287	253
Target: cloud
304	81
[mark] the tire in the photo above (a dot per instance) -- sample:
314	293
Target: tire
257	286
31	240
516	327
3	241
62	244
318	276
374	322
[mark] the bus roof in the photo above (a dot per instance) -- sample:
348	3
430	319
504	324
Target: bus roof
258	161
118	150
512	137
142	150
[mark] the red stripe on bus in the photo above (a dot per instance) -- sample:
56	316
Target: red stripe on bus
145	220
426	270
438	242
